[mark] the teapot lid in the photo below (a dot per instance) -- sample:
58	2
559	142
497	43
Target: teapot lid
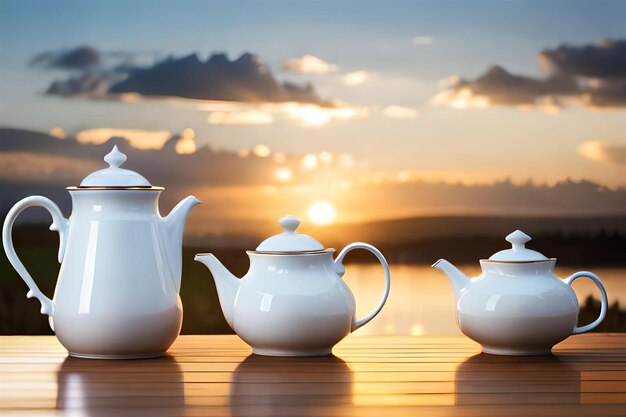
518	253
289	241
114	176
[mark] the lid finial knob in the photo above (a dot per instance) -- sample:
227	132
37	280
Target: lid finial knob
289	223
115	158
289	241
518	239
519	252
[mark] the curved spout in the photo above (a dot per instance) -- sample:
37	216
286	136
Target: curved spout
227	285
172	237
459	280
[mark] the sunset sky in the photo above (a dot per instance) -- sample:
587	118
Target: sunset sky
401	93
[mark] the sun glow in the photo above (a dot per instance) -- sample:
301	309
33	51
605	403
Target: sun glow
309	162
262	151
322	213
355	78
310	116
283	174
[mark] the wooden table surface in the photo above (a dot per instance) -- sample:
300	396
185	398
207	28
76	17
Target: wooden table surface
369	376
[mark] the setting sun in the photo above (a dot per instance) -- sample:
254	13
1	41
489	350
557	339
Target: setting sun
322	213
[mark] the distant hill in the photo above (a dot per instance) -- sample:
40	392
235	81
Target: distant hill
574	240
402	231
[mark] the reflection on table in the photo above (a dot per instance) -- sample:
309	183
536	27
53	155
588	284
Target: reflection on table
94	388
489	379
266	386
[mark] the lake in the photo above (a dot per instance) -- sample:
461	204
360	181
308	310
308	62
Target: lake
421	301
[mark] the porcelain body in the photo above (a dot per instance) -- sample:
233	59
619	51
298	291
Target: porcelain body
117	291
291	304
518	308
295	303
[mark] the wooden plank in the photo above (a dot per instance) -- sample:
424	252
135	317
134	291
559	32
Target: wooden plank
377	376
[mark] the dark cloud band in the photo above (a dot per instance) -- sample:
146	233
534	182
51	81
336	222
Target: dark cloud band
592	75
245	79
607	59
79	58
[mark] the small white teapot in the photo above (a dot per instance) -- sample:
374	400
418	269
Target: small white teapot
292	301
117	292
517	306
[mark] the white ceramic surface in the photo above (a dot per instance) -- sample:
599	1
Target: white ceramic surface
289	240
292	304
114	176
117	291
518	251
518	307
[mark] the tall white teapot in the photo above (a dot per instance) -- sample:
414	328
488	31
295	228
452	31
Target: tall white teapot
117	291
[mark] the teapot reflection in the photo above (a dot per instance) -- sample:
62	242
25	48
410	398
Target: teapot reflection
488	379
265	385
89	387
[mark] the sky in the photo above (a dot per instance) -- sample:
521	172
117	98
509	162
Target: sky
383	92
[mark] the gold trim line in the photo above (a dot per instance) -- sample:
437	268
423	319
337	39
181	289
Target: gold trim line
517	262
113	187
303	252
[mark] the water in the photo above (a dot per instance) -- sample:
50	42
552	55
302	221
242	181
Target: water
421	301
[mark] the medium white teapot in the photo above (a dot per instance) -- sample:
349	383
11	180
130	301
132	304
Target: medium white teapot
517	306
292	301
117	291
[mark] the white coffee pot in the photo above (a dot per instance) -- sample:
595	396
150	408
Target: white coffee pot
517	306
292	301
117	290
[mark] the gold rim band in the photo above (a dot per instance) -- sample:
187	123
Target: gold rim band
304	252
517	262
113	187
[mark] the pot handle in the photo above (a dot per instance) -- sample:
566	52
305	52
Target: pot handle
603	307
340	269
59	224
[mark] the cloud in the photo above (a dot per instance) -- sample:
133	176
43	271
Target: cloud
246	79
606	59
82	57
58	132
304	114
241	118
37	163
255	114
602	151
86	84
241	92
606	94
310	115
592	76
274	183
308	64
355	78
422	40
499	87
186	143
139	139
449	81
399	112
171	165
